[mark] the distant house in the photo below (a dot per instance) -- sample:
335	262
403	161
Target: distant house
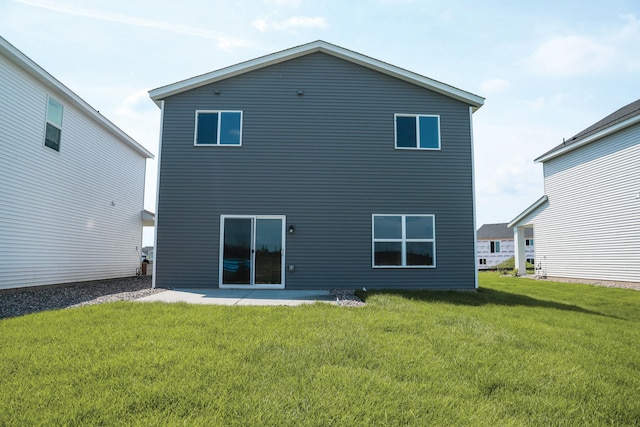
147	253
72	183
495	245
587	225
313	168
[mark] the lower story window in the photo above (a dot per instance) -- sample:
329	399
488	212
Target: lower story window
404	241
482	261
531	260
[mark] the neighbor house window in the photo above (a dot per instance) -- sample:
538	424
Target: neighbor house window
404	241
531	260
495	247
420	132
218	128
53	131
528	242
482	261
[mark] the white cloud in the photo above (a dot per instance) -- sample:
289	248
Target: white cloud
135	104
572	55
223	41
293	23
494	86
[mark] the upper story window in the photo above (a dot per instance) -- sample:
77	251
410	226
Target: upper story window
495	247
404	241
218	128
53	131
528	242
417	132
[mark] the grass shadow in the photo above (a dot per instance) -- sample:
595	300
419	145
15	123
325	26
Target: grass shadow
481	297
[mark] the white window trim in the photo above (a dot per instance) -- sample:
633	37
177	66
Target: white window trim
217	144
253	244
47	122
417	116
403	242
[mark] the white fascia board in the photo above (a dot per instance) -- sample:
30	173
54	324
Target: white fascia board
318	46
23	61
514	222
591	138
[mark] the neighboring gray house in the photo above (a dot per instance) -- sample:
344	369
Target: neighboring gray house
587	225
71	183
315	167
495	245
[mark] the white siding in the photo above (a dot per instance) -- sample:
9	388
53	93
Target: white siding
590	227
57	220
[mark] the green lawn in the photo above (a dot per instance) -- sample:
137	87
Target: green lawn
518	352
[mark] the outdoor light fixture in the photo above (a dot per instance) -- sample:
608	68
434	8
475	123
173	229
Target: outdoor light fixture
216	91
291	229
300	92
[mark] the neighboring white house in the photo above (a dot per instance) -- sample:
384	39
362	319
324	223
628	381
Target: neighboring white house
495	245
71	183
587	225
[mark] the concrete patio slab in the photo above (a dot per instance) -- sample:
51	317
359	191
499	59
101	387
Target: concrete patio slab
241	296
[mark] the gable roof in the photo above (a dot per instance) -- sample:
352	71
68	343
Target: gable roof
499	231
616	121
37	72
160	93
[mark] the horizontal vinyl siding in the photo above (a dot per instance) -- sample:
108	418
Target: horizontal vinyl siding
57	221
327	161
591	227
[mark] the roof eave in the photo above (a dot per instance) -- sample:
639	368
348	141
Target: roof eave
514	222
160	93
589	139
24	62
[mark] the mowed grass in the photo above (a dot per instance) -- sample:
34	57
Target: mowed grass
517	352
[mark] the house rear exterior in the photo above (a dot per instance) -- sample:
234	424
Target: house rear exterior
315	168
71	197
587	225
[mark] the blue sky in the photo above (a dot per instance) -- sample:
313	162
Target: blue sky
548	69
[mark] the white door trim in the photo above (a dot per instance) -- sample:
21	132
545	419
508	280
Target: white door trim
253	218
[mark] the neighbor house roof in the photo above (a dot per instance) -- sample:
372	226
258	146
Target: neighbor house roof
620	119
499	231
37	72
158	94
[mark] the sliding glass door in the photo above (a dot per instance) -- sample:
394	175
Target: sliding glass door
252	251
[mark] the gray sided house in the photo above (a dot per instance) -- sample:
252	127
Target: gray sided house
587	224
314	168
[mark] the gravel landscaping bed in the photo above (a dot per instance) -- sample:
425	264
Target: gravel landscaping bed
347	298
19	302
603	283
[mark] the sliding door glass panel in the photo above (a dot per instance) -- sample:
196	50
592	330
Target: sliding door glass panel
268	251
237	251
